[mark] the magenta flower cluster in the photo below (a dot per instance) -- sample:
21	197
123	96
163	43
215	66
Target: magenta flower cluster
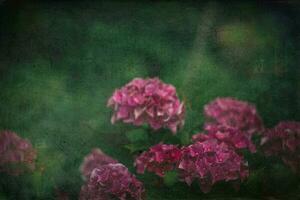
108	179
16	154
148	101
159	159
209	162
233	137
112	181
284	141
233	113
215	154
94	160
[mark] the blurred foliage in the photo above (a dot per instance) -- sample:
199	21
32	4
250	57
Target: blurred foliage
61	60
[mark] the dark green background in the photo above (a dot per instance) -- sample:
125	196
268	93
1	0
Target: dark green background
61	60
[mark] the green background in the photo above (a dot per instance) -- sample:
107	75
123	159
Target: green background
61	60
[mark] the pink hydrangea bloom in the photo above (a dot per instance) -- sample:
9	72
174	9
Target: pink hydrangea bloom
148	101
159	159
16	154
94	160
209	162
112	181
233	113
233	137
284	141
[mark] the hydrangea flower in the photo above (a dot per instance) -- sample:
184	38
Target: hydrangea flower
148	101
16	154
94	160
209	162
233	137
284	141
159	159
233	113
112	181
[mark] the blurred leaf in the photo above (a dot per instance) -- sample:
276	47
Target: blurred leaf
2	196
184	138
170	178
254	183
137	135
38	182
135	147
282	179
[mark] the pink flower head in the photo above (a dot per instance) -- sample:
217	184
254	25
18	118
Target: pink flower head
233	113
148	101
233	137
112	181
16	154
94	160
284	141
209	162
159	159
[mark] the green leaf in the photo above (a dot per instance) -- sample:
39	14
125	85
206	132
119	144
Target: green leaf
137	135
134	147
170	178
184	138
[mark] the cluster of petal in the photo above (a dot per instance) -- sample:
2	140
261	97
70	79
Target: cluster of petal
159	159
233	113
16	154
94	160
233	137
210	162
148	101
112	181
284	141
